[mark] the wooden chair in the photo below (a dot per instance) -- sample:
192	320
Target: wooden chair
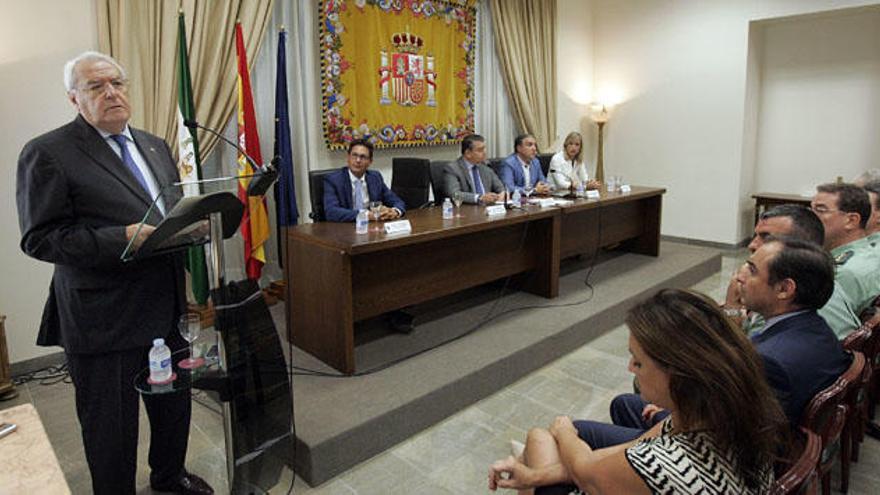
826	415
800	476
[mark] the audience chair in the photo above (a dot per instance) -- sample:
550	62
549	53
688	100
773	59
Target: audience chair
544	160
437	181
800	475
410	179
316	193
826	416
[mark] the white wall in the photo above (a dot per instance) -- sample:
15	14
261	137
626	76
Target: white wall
682	69
574	74
820	100
36	38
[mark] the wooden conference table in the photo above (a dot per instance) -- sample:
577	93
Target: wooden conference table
337	277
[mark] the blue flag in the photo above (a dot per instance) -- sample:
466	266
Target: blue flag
285	193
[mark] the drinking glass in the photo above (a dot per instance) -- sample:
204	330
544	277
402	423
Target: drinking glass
375	208
528	190
457	199
189	326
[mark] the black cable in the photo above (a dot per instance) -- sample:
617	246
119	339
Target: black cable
50	375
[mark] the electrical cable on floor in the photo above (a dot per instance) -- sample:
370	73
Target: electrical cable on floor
50	375
300	371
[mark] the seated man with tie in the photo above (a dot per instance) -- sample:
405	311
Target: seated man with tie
353	187
522	170
470	176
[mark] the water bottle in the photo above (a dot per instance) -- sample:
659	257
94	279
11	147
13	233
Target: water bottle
160	362
362	224
579	190
516	198
447	210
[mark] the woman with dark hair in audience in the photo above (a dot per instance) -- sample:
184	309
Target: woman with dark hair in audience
722	435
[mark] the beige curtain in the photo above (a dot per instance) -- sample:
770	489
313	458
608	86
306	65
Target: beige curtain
525	39
142	36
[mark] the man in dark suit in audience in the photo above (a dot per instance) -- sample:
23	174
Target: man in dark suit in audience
353	187
82	190
522	169
470	175
785	280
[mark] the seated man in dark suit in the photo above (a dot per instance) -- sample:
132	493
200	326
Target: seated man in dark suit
353	187
521	169
470	175
786	280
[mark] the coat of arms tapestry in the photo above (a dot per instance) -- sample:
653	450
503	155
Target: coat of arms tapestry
397	72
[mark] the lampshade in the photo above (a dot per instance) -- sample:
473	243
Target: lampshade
600	112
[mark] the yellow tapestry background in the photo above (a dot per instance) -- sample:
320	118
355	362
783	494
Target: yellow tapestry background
353	39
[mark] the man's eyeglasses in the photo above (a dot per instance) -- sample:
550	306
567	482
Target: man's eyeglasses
358	156
96	88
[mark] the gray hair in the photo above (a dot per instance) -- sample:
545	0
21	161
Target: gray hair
70	75
870	175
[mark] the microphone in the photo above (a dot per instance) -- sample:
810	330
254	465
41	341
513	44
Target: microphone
264	177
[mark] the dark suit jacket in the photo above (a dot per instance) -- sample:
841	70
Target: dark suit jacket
457	178
801	357
74	199
512	175
337	195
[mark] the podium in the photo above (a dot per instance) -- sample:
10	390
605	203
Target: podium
249	375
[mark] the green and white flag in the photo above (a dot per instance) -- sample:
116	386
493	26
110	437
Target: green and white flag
189	165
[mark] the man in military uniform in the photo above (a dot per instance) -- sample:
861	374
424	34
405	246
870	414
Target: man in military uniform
873	227
844	210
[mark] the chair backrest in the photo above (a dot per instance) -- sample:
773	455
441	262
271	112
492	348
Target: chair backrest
544	160
410	178
495	165
857	340
437	184
316	191
821	414
800	475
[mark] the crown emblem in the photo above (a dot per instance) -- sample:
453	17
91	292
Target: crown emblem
407	42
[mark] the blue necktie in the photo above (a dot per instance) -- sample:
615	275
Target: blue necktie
358	195
478	186
129	161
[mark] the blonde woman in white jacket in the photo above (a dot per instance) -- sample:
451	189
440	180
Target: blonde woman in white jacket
567	167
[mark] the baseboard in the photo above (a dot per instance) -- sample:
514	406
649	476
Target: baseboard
711	244
35	364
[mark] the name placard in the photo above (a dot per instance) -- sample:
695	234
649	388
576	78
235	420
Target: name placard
593	194
544	202
495	210
398	227
625	188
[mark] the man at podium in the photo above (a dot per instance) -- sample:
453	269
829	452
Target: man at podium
82	189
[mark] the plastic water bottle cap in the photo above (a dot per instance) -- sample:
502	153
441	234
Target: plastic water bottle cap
158	342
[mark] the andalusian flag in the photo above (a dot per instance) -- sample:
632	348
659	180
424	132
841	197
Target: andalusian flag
255	222
189	164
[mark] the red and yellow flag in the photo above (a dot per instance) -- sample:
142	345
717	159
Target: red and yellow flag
255	221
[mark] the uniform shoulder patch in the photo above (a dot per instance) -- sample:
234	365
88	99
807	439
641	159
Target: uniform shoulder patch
843	257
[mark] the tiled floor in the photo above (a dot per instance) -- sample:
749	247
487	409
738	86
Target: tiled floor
451	457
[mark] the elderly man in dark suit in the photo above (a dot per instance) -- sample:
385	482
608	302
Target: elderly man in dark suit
354	184
82	190
470	175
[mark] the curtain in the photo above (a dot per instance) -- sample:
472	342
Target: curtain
142	36
492	116
525	39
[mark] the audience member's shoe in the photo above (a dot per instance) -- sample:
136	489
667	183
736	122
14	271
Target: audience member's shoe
401	321
517	448
188	484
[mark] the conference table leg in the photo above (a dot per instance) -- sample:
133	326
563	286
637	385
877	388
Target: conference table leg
320	291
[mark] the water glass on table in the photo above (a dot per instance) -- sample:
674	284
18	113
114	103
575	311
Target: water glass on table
189	325
375	209
457	199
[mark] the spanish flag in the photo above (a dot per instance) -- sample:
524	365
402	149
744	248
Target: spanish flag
255	222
